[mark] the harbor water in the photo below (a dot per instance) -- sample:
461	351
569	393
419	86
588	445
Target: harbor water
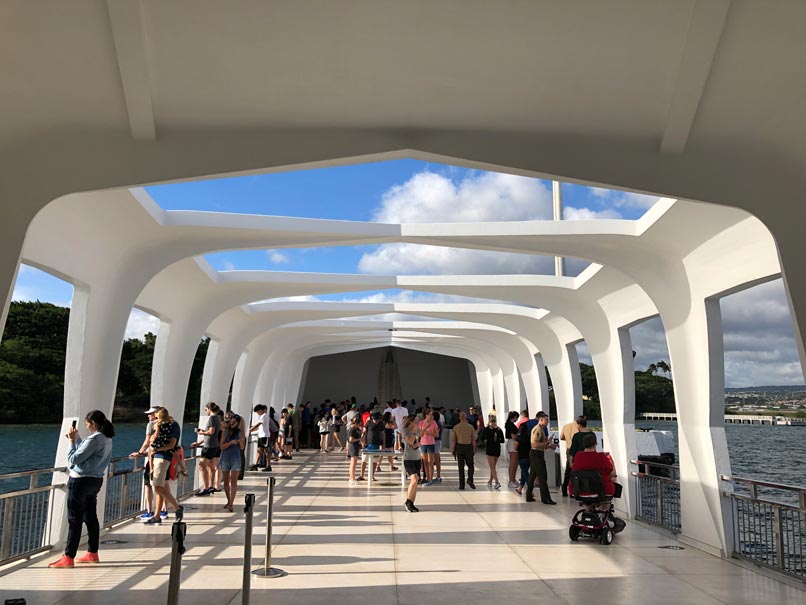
763	452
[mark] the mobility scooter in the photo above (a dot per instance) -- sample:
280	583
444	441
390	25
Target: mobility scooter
597	518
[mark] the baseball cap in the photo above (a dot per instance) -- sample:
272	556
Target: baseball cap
355	405
153	409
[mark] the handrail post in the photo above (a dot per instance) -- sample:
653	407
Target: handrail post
779	537
249	506
659	496
8	528
178	533
267	571
124	494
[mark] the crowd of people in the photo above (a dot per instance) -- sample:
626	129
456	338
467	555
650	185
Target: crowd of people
402	428
416	432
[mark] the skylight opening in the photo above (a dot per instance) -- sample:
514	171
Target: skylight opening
388	296
391	259
398	191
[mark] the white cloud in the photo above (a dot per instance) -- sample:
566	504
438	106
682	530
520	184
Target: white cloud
586	214
410	296
141	322
403	296
303	298
484	196
758	337
624	199
277	257
414	259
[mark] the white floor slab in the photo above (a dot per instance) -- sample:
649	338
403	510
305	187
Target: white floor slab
341	543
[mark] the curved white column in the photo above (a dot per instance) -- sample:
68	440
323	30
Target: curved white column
273	347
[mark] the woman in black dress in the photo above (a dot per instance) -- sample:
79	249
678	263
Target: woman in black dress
494	437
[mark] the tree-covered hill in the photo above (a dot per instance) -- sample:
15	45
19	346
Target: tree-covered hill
32	355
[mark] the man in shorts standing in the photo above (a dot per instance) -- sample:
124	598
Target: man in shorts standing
159	474
263	434
412	460
399	413
148	492
211	449
373	437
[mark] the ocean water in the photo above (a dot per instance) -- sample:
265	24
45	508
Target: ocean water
763	452
33	446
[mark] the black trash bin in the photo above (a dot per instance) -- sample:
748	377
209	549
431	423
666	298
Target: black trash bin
667	459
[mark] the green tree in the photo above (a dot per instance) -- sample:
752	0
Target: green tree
32	355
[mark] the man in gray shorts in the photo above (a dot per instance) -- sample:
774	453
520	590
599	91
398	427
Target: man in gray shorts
412	461
211	449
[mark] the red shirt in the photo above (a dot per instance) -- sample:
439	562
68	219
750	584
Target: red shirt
364	418
596	461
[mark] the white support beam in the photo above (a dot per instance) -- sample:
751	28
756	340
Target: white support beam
702	39
128	30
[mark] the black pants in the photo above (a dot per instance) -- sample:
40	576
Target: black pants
464	456
537	470
82	500
567	475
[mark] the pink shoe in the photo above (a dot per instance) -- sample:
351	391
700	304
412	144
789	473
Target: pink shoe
90	557
65	561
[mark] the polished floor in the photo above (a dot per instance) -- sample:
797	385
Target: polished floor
348	544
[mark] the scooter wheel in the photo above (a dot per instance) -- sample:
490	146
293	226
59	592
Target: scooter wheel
606	537
573	533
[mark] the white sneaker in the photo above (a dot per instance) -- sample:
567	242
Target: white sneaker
353	482
513	484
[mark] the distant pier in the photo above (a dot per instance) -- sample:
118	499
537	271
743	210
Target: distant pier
735	419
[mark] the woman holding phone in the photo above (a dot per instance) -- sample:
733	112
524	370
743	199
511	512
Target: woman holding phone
87	460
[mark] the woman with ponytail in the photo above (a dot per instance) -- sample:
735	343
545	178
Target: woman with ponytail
87	460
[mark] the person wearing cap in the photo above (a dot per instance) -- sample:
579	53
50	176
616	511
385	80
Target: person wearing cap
151	414
347	418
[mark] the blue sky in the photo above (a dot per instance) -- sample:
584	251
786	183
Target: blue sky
416	191
369	192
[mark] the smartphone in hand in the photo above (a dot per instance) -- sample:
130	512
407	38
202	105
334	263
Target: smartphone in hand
75	422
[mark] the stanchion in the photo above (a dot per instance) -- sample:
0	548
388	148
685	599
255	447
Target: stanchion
247	549
267	571
178	533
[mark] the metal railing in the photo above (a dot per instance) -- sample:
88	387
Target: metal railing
124	487
769	532
657	489
124	490
25	513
